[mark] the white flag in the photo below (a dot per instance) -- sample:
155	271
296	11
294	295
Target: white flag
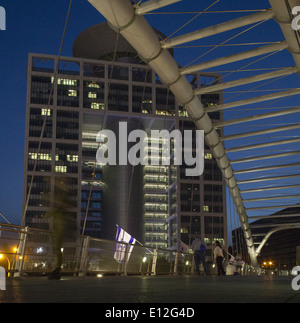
183	247
120	248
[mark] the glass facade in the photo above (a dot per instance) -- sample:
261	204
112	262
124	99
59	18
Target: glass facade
156	184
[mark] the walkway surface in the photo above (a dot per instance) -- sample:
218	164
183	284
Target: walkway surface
155	289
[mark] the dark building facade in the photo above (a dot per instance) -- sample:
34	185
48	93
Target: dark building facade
281	247
100	86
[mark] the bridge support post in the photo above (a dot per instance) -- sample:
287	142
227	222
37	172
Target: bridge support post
154	261
175	272
125	261
84	256
21	253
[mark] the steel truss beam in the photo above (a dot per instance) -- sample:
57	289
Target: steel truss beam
257	117
277	216
217	29
262	169
235	58
251	159
289	225
272	207
267	179
258	99
266	189
261	132
267	144
247	80
151	5
271	198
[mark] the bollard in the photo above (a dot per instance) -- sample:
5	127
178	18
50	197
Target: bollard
125	260
2	279
176	264
21	254
84	256
154	261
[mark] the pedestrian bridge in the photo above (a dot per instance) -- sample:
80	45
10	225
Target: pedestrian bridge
257	144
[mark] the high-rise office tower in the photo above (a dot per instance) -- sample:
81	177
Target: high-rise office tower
106	83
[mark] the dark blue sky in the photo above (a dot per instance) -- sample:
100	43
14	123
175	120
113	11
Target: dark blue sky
32	26
37	26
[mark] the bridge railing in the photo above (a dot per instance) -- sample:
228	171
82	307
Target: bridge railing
30	251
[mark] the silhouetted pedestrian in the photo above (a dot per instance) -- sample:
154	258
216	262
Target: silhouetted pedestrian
199	254
219	257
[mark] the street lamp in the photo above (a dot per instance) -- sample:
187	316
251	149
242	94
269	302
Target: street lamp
268	263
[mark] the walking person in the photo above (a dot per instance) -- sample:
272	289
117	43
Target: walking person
219	257
199	254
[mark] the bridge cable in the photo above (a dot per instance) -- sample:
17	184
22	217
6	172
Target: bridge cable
56	70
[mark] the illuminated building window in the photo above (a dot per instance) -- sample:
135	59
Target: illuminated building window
65	81
92	95
205	208
46	112
40	156
97	106
94	85
72	93
208	156
72	158
183	113
60	169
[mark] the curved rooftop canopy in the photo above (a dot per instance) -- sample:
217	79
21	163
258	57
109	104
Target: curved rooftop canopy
100	41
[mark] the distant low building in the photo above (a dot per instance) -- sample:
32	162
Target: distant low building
280	250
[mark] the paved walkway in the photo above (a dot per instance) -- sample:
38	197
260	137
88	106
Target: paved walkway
156	289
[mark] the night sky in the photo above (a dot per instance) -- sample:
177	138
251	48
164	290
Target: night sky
37	27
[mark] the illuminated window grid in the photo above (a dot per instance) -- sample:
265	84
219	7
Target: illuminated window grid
60	169
40	156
